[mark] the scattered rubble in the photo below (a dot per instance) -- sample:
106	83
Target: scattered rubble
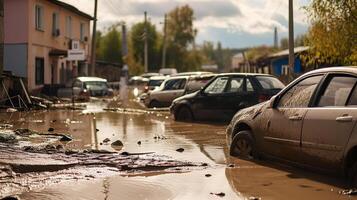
117	143
221	194
180	150
349	192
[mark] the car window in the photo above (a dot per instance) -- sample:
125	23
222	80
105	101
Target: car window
217	86
270	83
353	99
300	94
337	91
77	84
249	86
196	84
175	84
236	84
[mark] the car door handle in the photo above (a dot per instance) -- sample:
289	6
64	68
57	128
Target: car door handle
295	118
344	119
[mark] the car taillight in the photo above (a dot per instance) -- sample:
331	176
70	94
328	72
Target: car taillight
84	93
146	88
263	98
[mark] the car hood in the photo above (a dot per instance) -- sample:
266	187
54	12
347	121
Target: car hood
187	96
250	112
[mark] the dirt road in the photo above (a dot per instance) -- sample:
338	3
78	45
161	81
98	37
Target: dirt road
213	174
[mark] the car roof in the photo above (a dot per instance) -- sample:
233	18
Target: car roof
158	78
191	73
89	78
349	69
244	74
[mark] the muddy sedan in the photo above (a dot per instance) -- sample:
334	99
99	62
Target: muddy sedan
222	97
310	123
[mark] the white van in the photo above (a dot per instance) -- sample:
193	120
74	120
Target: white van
168	71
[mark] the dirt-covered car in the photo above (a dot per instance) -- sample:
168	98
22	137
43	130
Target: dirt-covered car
311	122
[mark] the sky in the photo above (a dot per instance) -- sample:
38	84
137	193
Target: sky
235	23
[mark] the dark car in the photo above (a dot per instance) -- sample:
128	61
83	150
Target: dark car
224	95
311	122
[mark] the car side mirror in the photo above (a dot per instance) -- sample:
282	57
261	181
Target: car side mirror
272	102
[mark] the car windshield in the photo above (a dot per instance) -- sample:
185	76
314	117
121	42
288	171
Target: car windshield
196	84
270	83
95	84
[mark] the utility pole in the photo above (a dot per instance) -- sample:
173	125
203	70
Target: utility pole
164	45
275	37
92	63
145	43
291	40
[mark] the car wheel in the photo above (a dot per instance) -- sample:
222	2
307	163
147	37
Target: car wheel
184	114
154	104
243	145
352	175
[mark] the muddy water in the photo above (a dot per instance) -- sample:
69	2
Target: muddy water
158	133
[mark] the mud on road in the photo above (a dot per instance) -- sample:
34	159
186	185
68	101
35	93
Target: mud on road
155	158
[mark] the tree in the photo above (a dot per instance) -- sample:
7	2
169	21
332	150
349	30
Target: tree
109	46
137	42
332	36
180	34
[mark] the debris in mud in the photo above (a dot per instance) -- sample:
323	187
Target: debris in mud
221	194
349	192
7	138
24	132
11	198
5	126
139	142
66	138
180	150
231	165
106	140
254	198
117	143
208	175
204	165
96	129
51	129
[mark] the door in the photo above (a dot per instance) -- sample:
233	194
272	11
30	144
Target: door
174	88
328	126
208	104
282	138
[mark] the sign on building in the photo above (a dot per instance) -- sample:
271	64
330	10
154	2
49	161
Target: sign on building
76	54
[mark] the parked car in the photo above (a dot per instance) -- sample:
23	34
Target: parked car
149	75
83	87
168	71
154	82
169	90
311	122
221	98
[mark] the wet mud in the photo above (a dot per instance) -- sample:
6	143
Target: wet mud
153	157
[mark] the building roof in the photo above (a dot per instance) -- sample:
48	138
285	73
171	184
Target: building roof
286	51
71	8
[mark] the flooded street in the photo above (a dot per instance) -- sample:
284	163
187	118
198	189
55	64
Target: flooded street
167	160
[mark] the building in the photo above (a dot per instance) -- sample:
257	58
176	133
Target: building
280	62
45	41
1	35
238	62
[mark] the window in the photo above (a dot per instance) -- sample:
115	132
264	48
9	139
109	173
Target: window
55	24
69	26
270	83
337	92
39	18
300	94
250	87
175	84
236	85
217	86
39	71
82	31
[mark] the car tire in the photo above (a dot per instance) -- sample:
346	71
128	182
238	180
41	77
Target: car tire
154	104
184	114
352	175
243	145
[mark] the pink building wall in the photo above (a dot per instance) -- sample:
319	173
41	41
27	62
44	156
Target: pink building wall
16	24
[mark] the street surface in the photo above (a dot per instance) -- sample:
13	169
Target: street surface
202	168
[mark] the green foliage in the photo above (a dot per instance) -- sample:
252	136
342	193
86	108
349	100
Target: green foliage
109	46
137	39
332	36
